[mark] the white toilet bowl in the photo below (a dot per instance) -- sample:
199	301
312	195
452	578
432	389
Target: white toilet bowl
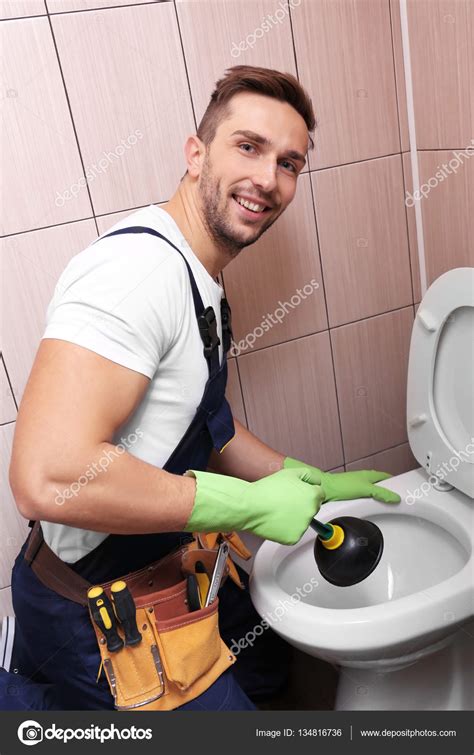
403	637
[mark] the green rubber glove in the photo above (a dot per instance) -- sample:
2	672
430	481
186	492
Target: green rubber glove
278	507
343	486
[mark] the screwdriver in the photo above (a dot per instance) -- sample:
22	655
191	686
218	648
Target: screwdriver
103	615
126	612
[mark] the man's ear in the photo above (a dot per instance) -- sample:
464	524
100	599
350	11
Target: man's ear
194	152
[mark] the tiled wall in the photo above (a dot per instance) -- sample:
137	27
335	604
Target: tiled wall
81	77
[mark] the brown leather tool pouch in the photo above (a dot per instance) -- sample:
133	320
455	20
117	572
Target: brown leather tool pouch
181	653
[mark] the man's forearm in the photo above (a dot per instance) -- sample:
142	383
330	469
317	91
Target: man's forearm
131	496
120	495
246	457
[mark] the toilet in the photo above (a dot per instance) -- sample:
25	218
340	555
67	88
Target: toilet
404	637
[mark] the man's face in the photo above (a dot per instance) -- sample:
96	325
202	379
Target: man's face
238	166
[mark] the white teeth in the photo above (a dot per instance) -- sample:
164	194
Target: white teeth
250	205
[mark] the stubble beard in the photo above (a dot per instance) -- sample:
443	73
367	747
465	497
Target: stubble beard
217	218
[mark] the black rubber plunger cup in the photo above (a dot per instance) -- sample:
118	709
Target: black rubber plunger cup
347	549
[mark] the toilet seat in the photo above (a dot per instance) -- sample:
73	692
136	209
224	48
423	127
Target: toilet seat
440	402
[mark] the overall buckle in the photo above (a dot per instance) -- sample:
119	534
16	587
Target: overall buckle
226	317
208	329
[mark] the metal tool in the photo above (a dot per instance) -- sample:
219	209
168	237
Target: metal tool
104	617
113	681
126	612
218	573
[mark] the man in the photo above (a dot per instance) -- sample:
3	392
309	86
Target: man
122	360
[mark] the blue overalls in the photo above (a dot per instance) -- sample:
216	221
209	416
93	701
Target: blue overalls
55	649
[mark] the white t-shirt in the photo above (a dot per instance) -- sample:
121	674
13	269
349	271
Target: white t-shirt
128	298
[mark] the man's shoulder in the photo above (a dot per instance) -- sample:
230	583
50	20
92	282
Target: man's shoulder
139	263
145	242
133	251
153	221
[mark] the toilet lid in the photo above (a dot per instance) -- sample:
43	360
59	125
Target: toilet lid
440	391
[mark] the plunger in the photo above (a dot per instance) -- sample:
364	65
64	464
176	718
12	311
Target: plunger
347	549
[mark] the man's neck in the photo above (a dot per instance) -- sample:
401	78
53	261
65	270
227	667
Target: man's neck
183	209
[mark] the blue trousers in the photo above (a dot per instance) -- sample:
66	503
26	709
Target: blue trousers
56	654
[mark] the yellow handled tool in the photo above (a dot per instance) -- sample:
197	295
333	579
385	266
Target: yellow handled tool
126	612
104	617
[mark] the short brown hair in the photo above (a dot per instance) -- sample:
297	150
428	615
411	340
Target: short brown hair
266	81
281	86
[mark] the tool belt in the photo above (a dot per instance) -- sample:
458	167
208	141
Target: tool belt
181	653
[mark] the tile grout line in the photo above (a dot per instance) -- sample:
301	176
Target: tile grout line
413	150
397	100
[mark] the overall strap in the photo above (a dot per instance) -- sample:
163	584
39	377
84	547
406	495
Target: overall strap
206	318
198	305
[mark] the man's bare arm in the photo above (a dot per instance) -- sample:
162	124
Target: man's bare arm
246	457
74	402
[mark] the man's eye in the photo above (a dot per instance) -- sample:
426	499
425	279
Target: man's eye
286	163
246	145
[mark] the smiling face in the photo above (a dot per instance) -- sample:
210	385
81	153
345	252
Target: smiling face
255	156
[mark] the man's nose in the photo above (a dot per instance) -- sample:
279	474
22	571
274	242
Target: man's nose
265	176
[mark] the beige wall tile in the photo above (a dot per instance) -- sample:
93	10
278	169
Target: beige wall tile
448	224
130	101
33	263
212	32
441	48
290	399
234	392
399	74
261	282
448	218
363	238
345	59
7	404
18	8
371	361
41	158
395	460
61	6
411	226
